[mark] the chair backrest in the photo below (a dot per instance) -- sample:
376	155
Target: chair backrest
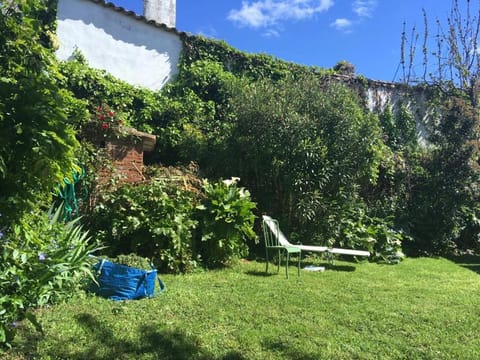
272	233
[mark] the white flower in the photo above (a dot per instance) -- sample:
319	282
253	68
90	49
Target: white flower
232	181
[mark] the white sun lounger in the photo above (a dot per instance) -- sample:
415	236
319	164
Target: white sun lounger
272	224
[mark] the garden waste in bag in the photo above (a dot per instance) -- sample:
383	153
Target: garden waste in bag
122	282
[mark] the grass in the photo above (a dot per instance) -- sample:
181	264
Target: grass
420	309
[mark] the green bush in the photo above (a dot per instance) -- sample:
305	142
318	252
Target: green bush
226	222
374	234
176	221
154	220
43	261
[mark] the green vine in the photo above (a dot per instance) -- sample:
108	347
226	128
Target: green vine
254	66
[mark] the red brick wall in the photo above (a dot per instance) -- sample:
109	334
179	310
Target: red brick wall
127	160
126	156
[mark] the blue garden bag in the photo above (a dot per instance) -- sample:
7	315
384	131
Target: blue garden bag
121	282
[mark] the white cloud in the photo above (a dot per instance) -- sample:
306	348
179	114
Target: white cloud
342	24
267	13
271	33
364	8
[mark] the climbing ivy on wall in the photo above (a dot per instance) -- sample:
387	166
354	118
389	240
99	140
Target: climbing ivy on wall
254	66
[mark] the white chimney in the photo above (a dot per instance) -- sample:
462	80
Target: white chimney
161	11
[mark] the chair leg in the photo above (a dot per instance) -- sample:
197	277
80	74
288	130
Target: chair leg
286	265
266	261
279	260
299	258
330	258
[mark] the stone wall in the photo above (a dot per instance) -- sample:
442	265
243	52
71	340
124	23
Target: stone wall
378	95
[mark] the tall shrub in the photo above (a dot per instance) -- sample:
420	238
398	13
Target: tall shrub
447	186
36	142
302	145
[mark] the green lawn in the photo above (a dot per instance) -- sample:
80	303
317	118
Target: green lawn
420	309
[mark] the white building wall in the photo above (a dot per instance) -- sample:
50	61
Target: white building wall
129	49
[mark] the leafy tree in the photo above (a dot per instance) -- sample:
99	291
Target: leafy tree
454	63
36	142
447	186
301	147
443	195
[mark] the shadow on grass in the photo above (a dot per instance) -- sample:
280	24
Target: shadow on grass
281	347
272	269
261	273
345	268
470	262
328	267
103	343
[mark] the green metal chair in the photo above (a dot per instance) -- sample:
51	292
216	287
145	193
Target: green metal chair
273	241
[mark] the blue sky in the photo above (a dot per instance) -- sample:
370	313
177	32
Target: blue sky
366	33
